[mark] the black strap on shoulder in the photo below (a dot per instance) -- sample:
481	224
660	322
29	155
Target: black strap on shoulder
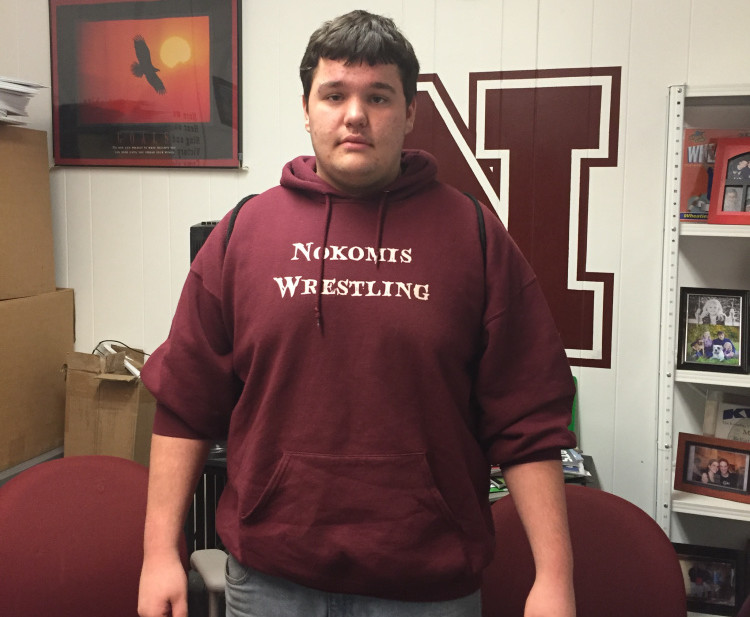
482	232
233	217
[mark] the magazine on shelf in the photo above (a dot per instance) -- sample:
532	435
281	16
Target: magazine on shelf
698	159
727	416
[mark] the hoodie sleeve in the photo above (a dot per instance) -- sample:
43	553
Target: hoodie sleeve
524	384
191	374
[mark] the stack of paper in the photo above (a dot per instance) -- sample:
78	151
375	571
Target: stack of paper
573	468
15	95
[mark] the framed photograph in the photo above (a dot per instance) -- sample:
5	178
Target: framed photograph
727	416
713	466
715	578
712	333
145	82
698	160
730	193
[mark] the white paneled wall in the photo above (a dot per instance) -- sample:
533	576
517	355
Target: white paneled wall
122	234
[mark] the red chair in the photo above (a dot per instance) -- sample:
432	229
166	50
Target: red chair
745	608
71	538
625	566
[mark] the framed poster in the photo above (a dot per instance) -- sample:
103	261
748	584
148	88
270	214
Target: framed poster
151	83
730	198
712	333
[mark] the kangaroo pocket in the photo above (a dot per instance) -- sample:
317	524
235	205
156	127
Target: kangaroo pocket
355	520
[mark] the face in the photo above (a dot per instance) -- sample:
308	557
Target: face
714	466
724	467
357	118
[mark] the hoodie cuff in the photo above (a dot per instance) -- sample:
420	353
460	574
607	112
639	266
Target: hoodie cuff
169	424
549	454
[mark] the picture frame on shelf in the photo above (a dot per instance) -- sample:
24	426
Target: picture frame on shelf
730	193
698	160
727	416
714	467
137	83
712	330
715	578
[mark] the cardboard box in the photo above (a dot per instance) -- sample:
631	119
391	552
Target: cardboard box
27	262
107	409
36	332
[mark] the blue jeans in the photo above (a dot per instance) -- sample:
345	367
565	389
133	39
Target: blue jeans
250	593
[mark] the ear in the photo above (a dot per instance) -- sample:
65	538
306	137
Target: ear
411	112
307	115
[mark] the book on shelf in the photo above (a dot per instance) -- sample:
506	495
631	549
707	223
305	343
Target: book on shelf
15	95
698	159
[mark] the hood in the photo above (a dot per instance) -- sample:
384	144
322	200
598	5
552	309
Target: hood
418	170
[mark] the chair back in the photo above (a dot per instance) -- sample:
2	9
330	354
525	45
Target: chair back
745	608
624	564
71	535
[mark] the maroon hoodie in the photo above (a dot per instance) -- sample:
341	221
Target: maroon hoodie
349	387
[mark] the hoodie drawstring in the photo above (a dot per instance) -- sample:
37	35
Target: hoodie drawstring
382	207
379	232
318	300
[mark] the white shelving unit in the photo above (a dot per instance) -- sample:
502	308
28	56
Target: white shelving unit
689	503
696	255
714	231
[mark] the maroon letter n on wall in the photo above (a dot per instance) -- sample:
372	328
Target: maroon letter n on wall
532	138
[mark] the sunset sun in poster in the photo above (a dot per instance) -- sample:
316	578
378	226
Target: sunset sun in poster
175	50
144	71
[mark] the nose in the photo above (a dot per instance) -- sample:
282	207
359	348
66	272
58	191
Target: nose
355	114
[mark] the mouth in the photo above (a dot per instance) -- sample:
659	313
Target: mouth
355	141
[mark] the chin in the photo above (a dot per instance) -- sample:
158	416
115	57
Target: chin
360	177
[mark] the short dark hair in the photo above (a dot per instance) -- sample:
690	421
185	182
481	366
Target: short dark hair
359	37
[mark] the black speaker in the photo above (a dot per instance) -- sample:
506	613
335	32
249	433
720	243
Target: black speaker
198	235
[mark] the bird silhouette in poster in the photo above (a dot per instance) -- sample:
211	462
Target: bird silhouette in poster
144	68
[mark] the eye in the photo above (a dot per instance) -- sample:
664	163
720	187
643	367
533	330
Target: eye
379	100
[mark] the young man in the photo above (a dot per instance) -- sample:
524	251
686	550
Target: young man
725	477
350	345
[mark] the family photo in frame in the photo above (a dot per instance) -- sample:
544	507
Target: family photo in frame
712	330
713	466
730	195
715	578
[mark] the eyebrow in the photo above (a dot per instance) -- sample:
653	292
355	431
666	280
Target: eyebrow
376	85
